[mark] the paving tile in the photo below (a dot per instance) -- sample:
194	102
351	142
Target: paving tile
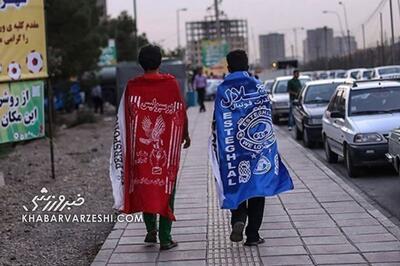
379	246
325	240
353	215
179	255
315	224
110	244
310	217
280	225
332	249
133	257
183	263
287	260
383	257
115	233
138	248
278	233
338	259
304	232
357	222
103	255
372	238
289	241
364	230
282	250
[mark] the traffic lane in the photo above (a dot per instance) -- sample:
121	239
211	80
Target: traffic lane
381	184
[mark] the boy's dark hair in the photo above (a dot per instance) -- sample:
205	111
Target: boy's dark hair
150	57
237	61
296	71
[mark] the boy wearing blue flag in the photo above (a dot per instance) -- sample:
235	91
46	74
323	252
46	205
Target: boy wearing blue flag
244	154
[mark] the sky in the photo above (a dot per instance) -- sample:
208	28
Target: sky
157	18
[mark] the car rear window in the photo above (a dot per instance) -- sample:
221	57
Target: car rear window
320	93
282	86
374	101
388	71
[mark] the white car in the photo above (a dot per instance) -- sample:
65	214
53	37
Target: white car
386	72
357	123
268	85
354	73
211	89
365	74
280	96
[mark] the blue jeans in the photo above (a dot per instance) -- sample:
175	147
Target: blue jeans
291	118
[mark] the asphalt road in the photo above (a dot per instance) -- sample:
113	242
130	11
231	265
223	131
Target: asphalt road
380	184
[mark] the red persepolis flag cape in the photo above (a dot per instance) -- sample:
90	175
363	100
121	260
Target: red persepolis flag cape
155	117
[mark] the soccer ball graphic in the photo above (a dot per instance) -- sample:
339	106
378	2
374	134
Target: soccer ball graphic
14	70
34	62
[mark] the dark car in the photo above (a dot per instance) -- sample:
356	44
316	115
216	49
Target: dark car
310	107
394	149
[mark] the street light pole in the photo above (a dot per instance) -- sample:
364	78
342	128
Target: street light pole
178	25
347	27
340	22
217	21
363	33
136	28
392	25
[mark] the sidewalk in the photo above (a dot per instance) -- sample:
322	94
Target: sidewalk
323	221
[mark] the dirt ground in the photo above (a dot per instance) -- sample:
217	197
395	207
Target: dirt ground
82	162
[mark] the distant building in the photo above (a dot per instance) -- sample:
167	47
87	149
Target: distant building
272	48
203	34
341	44
319	44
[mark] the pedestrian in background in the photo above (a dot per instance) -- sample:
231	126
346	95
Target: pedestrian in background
200	84
294	87
97	98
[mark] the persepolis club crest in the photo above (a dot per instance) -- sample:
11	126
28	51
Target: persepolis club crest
255	130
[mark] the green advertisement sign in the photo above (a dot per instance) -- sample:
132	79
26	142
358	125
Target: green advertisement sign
21	111
108	55
213	52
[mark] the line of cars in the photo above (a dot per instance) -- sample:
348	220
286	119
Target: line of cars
357	120
382	72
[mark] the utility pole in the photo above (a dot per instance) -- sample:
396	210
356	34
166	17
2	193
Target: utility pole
136	28
178	28
382	43
218	24
326	47
295	44
347	27
392	25
363	33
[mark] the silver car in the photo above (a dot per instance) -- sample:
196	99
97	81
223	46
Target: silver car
280	96
357	123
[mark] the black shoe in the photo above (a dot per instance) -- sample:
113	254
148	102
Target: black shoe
151	237
254	243
171	244
237	232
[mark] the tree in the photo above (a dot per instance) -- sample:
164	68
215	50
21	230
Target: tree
73	37
122	30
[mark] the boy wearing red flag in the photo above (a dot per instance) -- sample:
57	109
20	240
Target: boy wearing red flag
151	126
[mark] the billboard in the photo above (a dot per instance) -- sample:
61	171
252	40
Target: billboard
21	111
22	40
108	55
213	55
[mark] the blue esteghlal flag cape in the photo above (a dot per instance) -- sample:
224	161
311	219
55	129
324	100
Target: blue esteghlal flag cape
244	154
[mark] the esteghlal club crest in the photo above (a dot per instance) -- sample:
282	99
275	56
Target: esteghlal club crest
255	130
